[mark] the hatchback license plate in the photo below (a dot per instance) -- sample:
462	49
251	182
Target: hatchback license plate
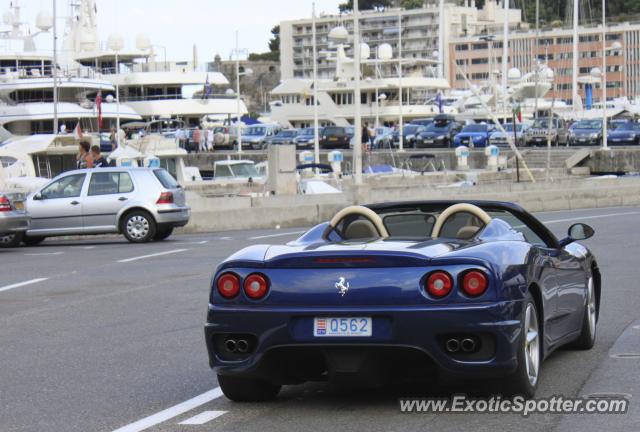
342	327
19	205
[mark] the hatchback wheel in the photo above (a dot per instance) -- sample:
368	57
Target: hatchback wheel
11	240
138	227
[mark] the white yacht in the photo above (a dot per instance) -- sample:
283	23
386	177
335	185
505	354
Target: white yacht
27	80
153	89
292	104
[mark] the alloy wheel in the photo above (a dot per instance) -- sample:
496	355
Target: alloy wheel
591	307
532	344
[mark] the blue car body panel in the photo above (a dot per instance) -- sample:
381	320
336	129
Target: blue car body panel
386	282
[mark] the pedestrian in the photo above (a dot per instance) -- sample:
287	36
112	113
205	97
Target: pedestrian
210	136
197	139
63	128
372	133
98	160
84	159
365	136
113	139
180	137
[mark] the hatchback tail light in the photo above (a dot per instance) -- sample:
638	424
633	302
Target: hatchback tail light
5	205
165	198
439	284
474	283
256	286
228	285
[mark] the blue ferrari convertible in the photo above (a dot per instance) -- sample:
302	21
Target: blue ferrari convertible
403	291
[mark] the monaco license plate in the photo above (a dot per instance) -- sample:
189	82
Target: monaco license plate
342	327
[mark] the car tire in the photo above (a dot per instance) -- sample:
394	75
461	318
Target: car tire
163	234
524	381
587	337
32	241
11	240
138	226
242	389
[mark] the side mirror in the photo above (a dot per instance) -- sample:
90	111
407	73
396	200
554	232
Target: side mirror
578	231
38	197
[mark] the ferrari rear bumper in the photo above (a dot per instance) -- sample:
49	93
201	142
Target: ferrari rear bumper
275	336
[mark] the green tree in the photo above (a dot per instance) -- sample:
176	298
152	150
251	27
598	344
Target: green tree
274	42
365	5
274	48
412	4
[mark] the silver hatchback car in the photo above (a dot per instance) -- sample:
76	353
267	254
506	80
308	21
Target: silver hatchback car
144	204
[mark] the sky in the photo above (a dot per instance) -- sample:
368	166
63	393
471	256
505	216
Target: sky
178	24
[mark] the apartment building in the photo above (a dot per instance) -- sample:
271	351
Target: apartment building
419	33
476	57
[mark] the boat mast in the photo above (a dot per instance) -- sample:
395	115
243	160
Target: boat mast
54	70
535	59
400	88
441	39
505	56
316	141
574	84
357	121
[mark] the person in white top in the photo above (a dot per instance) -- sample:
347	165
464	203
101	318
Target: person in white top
63	128
210	139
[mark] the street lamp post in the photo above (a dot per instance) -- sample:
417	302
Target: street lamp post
239	74
357	123
316	138
116	43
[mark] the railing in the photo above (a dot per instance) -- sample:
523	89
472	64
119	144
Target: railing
47	72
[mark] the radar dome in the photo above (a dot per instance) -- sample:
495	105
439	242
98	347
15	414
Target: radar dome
514	74
44	21
339	34
365	51
142	42
115	42
385	52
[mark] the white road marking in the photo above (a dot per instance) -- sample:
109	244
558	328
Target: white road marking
170	252
44	253
277	235
21	284
579	218
203	418
172	412
225	238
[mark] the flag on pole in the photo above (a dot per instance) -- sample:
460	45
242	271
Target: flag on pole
99	108
517	113
77	131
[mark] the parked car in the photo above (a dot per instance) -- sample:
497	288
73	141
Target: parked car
225	137
14	220
586	132
498	138
143	204
624	133
474	135
474	289
255	136
285	136
383	137
335	137
305	138
409	135
422	122
438	134
538	133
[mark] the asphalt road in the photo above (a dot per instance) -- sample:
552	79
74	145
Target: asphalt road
102	335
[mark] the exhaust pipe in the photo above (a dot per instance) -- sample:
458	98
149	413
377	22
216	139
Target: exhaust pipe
230	345
242	345
452	345
468	345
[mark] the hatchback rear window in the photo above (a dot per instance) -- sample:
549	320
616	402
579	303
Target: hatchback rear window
165	179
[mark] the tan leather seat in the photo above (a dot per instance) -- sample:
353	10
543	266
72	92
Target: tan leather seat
361	229
467	232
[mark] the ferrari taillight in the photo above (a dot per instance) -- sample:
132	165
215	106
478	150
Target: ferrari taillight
256	286
439	284
228	285
474	283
